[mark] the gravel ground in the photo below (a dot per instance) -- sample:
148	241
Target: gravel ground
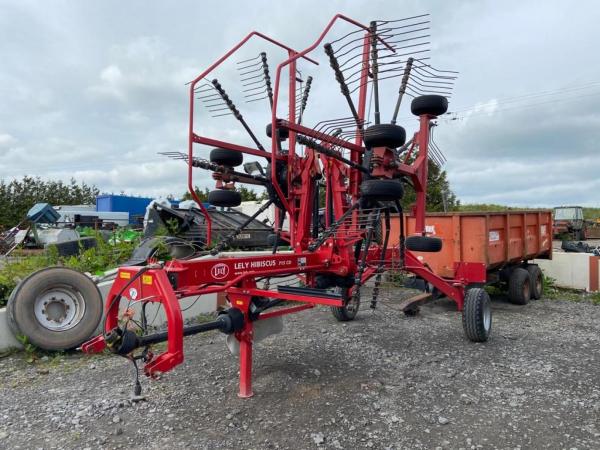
382	381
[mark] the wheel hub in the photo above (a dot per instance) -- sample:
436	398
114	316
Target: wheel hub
59	308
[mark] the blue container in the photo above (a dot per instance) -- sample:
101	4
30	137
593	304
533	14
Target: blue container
135	206
42	213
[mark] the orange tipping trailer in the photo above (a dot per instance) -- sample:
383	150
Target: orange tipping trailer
503	241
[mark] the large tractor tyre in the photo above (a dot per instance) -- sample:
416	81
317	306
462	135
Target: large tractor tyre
228	158
381	190
423	244
385	135
519	287
477	315
283	133
536	280
55	308
340	285
225	198
433	105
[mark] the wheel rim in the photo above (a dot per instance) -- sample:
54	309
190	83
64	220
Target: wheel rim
59	308
538	285
526	290
353	303
487	316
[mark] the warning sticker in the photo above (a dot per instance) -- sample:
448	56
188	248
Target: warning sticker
494	236
543	230
430	229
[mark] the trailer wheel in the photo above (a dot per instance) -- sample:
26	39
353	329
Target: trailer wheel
55	308
519	287
434	105
385	135
224	197
536	279
225	157
477	315
382	190
423	244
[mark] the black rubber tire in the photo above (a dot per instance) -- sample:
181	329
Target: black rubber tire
477	315
385	135
224	197
536	280
283	133
348	312
519	286
341	313
433	105
423	244
22	319
228	158
381	190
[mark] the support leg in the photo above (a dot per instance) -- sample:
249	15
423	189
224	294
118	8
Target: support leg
245	338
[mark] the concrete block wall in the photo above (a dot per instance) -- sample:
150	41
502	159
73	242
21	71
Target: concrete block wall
573	270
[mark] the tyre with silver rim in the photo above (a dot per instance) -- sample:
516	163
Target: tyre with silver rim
351	305
55	308
477	315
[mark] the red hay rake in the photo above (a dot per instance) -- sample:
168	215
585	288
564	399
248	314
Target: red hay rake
356	169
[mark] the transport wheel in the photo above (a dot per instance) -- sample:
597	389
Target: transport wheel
385	135
349	310
224	157
224	197
477	315
434	105
519	287
423	244
340	286
382	190
283	134
536	280
55	308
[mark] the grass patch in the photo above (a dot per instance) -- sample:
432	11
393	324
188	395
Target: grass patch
105	256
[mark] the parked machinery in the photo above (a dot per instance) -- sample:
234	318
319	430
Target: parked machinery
356	168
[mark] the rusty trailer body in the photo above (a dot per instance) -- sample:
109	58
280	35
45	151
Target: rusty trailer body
500	240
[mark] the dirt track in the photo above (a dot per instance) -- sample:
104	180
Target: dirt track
383	381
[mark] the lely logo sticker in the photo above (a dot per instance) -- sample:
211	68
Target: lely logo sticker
219	271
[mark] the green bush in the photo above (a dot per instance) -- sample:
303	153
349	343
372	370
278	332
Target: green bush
105	256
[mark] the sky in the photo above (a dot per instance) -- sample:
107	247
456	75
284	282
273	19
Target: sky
96	90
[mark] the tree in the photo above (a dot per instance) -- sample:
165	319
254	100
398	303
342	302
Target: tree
439	196
18	196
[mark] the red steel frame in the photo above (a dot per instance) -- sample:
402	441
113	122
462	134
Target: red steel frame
237	276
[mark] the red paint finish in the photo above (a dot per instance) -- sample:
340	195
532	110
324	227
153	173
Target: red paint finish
237	279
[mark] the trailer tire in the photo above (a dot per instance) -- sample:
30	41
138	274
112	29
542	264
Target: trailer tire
519	286
382	190
423	244
433	105
385	135
76	308
536	279
477	315
225	157
224	198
